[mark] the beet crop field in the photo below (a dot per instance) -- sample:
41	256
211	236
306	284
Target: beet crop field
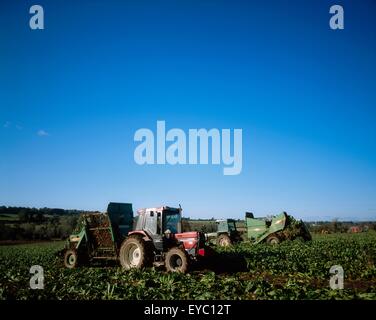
291	270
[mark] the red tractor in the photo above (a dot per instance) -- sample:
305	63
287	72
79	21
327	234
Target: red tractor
157	240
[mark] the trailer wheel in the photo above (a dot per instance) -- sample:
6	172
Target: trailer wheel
176	260
133	253
273	239
71	259
224	240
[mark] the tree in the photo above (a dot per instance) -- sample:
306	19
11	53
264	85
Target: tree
23	215
28	230
39	217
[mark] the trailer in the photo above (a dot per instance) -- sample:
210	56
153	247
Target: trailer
98	236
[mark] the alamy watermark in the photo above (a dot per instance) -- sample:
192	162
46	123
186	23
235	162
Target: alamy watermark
36	21
336	280
178	147
337	20
37	279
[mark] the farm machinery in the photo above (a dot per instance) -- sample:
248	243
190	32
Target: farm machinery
226	233
98	236
275	229
270	230
155	239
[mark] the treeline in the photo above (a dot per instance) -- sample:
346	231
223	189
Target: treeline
36	214
336	226
22	223
58	227
205	226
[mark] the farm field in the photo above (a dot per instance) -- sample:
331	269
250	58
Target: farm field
291	270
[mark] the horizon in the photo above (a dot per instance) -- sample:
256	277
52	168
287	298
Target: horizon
74	95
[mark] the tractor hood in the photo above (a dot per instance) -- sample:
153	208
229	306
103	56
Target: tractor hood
190	239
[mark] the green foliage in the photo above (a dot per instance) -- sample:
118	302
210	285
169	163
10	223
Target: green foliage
355	253
292	270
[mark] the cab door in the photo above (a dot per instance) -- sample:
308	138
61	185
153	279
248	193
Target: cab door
153	228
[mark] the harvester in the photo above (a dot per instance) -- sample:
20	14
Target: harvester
271	230
275	229
156	239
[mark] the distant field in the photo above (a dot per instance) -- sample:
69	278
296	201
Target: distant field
291	270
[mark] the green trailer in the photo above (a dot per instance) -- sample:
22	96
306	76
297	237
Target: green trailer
275	229
98	236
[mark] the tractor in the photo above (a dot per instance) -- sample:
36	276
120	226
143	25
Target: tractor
154	237
226	233
157	240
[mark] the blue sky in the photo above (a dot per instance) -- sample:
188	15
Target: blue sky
72	96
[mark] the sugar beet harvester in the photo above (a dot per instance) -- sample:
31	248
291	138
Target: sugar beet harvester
275	229
156	239
270	230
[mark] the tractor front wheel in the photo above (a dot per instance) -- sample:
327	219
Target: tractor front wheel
224	240
71	259
176	260
133	253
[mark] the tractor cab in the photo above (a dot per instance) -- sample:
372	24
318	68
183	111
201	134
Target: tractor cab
226	233
160	224
159	220
226	226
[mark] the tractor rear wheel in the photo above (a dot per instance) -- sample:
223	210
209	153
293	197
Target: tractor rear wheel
133	253
224	240
71	259
176	260
273	239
